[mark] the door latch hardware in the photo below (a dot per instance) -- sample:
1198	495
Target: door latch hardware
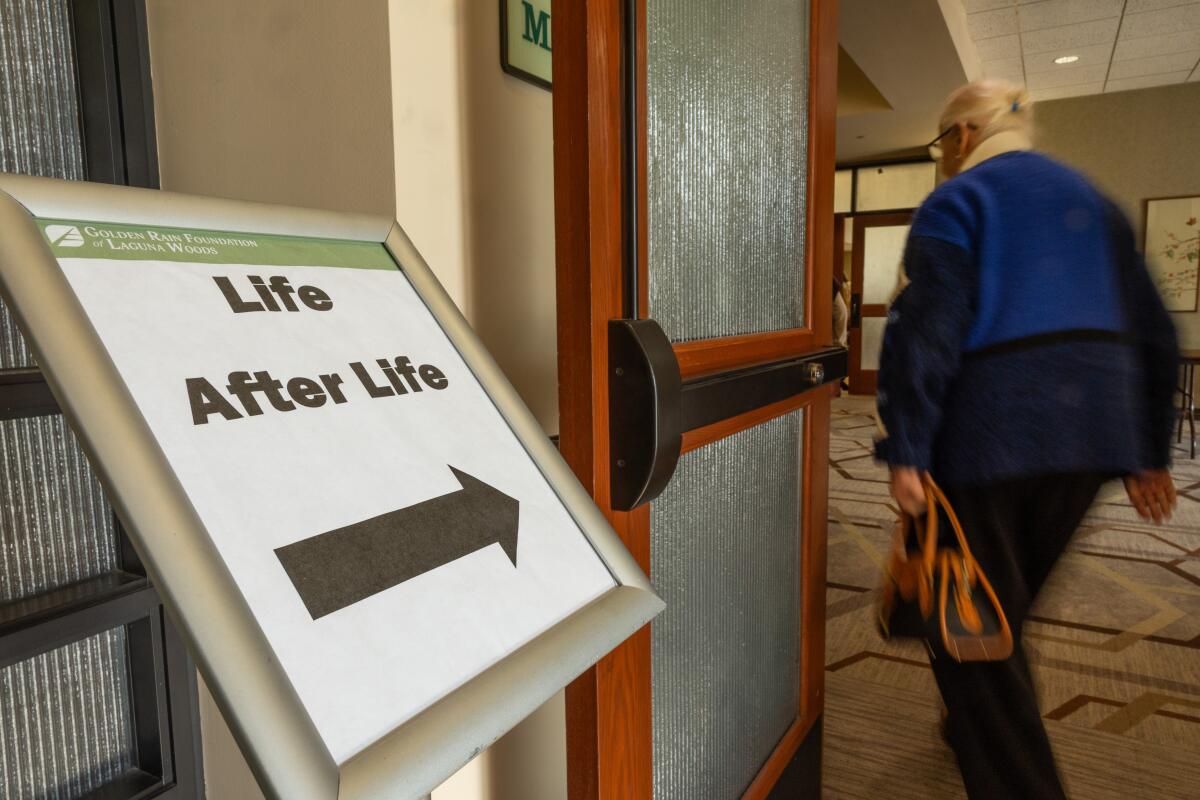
650	406
643	411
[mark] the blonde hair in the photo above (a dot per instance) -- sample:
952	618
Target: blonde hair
992	106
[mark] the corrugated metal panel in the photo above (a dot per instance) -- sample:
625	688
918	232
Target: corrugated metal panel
55	526
727	121
64	724
64	715
39	112
725	556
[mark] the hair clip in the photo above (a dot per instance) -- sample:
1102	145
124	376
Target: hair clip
1016	104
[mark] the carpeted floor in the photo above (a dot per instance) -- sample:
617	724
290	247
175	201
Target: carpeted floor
1114	643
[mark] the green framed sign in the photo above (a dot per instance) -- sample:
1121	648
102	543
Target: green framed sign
526	40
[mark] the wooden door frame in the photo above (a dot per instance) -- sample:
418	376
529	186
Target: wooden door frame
608	708
864	381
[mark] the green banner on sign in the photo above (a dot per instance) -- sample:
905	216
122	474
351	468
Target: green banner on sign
106	240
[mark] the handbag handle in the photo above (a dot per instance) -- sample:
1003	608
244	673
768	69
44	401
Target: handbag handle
934	494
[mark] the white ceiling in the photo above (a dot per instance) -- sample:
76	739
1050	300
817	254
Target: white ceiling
1121	44
905	48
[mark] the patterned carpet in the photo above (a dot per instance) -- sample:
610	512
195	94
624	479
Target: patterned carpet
1114	643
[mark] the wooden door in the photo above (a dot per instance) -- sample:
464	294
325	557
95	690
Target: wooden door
876	257
704	212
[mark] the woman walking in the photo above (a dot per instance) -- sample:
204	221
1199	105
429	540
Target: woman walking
1028	361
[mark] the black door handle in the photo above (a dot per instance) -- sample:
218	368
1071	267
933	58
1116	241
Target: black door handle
855	310
650	406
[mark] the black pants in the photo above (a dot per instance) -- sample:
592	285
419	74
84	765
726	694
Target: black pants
1017	530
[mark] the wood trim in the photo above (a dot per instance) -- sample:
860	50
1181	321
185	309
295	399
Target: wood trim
608	707
814	533
609	745
883	219
814	478
760	788
733	352
814	488
822	147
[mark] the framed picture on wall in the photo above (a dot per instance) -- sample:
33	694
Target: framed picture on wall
1172	247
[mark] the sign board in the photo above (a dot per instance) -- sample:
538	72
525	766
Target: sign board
526	40
380	561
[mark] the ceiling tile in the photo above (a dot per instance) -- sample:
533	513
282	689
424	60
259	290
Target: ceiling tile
999	47
1055	13
1004	68
1089	56
1148	46
1137	6
1066	77
1076	90
1175	62
1070	36
987	24
1146	81
1168	20
985	5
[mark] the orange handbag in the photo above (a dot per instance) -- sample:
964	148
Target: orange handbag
924	575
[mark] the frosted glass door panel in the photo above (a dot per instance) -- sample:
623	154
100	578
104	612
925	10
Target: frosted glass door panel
872	342
727	117
883	254
725	556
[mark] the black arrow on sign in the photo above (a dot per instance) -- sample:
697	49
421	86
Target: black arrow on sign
338	568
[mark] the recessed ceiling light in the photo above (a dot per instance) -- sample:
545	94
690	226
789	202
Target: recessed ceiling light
1066	59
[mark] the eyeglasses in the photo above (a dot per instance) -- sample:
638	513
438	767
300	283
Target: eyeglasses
935	148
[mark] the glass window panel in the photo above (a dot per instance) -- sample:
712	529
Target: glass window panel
843	191
883	255
725	556
39	113
727	117
55	526
64	720
894	186
872	342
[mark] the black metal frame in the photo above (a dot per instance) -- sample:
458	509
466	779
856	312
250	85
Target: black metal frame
517	72
116	97
111	51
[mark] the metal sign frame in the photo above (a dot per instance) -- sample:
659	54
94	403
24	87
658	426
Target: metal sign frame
279	739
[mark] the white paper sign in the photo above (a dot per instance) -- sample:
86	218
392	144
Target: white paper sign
366	495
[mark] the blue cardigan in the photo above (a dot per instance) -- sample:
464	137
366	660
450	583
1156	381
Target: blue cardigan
1031	340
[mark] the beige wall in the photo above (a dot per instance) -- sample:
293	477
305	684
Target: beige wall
281	101
510	212
1134	145
390	107
507	208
